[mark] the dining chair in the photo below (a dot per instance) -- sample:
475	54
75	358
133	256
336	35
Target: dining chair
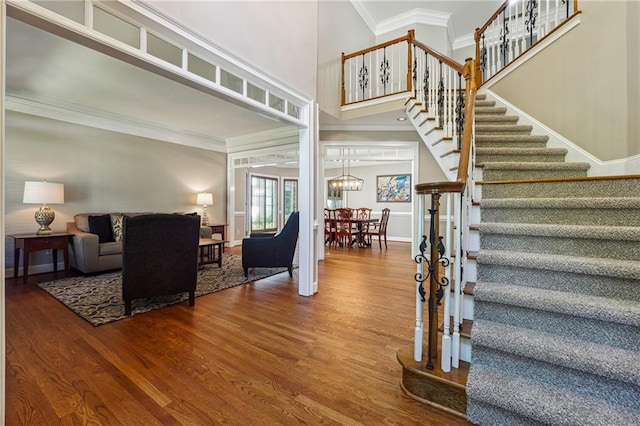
329	227
379	229
344	227
362	213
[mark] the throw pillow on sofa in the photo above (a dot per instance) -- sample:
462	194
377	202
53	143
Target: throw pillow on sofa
116	225
101	225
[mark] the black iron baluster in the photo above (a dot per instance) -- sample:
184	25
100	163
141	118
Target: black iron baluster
441	98
483	58
384	71
425	81
363	77
460	111
531	14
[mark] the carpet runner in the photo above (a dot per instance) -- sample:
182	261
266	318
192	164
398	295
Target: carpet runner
556	329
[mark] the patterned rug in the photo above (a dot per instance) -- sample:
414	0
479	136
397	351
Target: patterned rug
98	299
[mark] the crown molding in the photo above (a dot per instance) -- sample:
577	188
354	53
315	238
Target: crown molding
464	41
76	114
266	139
414	17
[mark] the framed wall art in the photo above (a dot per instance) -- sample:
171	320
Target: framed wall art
393	189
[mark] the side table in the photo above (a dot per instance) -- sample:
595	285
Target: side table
219	229
32	242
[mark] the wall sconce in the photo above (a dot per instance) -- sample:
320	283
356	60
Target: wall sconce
204	199
43	193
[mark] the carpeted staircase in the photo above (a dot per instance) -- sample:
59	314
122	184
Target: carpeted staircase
556	329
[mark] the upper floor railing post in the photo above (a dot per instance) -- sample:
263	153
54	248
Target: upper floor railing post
410	61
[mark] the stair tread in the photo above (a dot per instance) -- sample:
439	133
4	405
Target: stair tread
578	202
626	312
548	404
509	138
517	150
563	231
589	357
533	165
629	269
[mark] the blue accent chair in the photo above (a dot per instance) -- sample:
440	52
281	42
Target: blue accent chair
269	250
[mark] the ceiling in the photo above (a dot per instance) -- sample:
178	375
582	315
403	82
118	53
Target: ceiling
50	70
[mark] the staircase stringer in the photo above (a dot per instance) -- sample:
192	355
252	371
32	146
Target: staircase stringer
441	148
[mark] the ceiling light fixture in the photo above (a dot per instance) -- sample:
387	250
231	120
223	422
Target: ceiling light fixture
346	182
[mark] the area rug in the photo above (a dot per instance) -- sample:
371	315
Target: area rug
98	299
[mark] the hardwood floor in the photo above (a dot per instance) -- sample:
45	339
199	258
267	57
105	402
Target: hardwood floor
254	354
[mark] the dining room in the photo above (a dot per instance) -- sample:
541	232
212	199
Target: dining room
368	194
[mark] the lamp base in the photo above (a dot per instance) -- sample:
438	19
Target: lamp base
205	219
44	217
44	231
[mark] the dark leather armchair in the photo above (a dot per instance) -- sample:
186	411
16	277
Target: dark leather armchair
159	256
272	250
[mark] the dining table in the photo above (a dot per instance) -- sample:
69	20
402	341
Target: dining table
361	227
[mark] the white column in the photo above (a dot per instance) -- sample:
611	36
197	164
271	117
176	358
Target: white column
3	38
307	283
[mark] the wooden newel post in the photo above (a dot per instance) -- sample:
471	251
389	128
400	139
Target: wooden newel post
434	273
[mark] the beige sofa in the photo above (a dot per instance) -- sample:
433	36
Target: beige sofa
88	255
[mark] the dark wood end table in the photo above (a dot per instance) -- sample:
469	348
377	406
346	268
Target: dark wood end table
219	229
207	254
32	242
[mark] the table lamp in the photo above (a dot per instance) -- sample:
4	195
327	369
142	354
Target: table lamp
43	193
204	199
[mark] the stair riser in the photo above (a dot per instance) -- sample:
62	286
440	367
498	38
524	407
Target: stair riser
595	217
493	175
540	158
598	332
592	188
594	285
581	247
484	104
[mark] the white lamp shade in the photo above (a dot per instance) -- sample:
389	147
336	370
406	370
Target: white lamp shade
204	199
43	193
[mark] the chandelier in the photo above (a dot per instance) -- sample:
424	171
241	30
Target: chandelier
346	182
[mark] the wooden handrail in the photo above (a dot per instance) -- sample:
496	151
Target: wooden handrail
460	183
408	38
442	58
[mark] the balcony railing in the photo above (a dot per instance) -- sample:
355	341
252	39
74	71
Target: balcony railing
378	71
514	28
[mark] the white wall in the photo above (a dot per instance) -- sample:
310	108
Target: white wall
103	172
340	30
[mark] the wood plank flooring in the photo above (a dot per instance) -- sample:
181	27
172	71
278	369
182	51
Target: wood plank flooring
256	354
